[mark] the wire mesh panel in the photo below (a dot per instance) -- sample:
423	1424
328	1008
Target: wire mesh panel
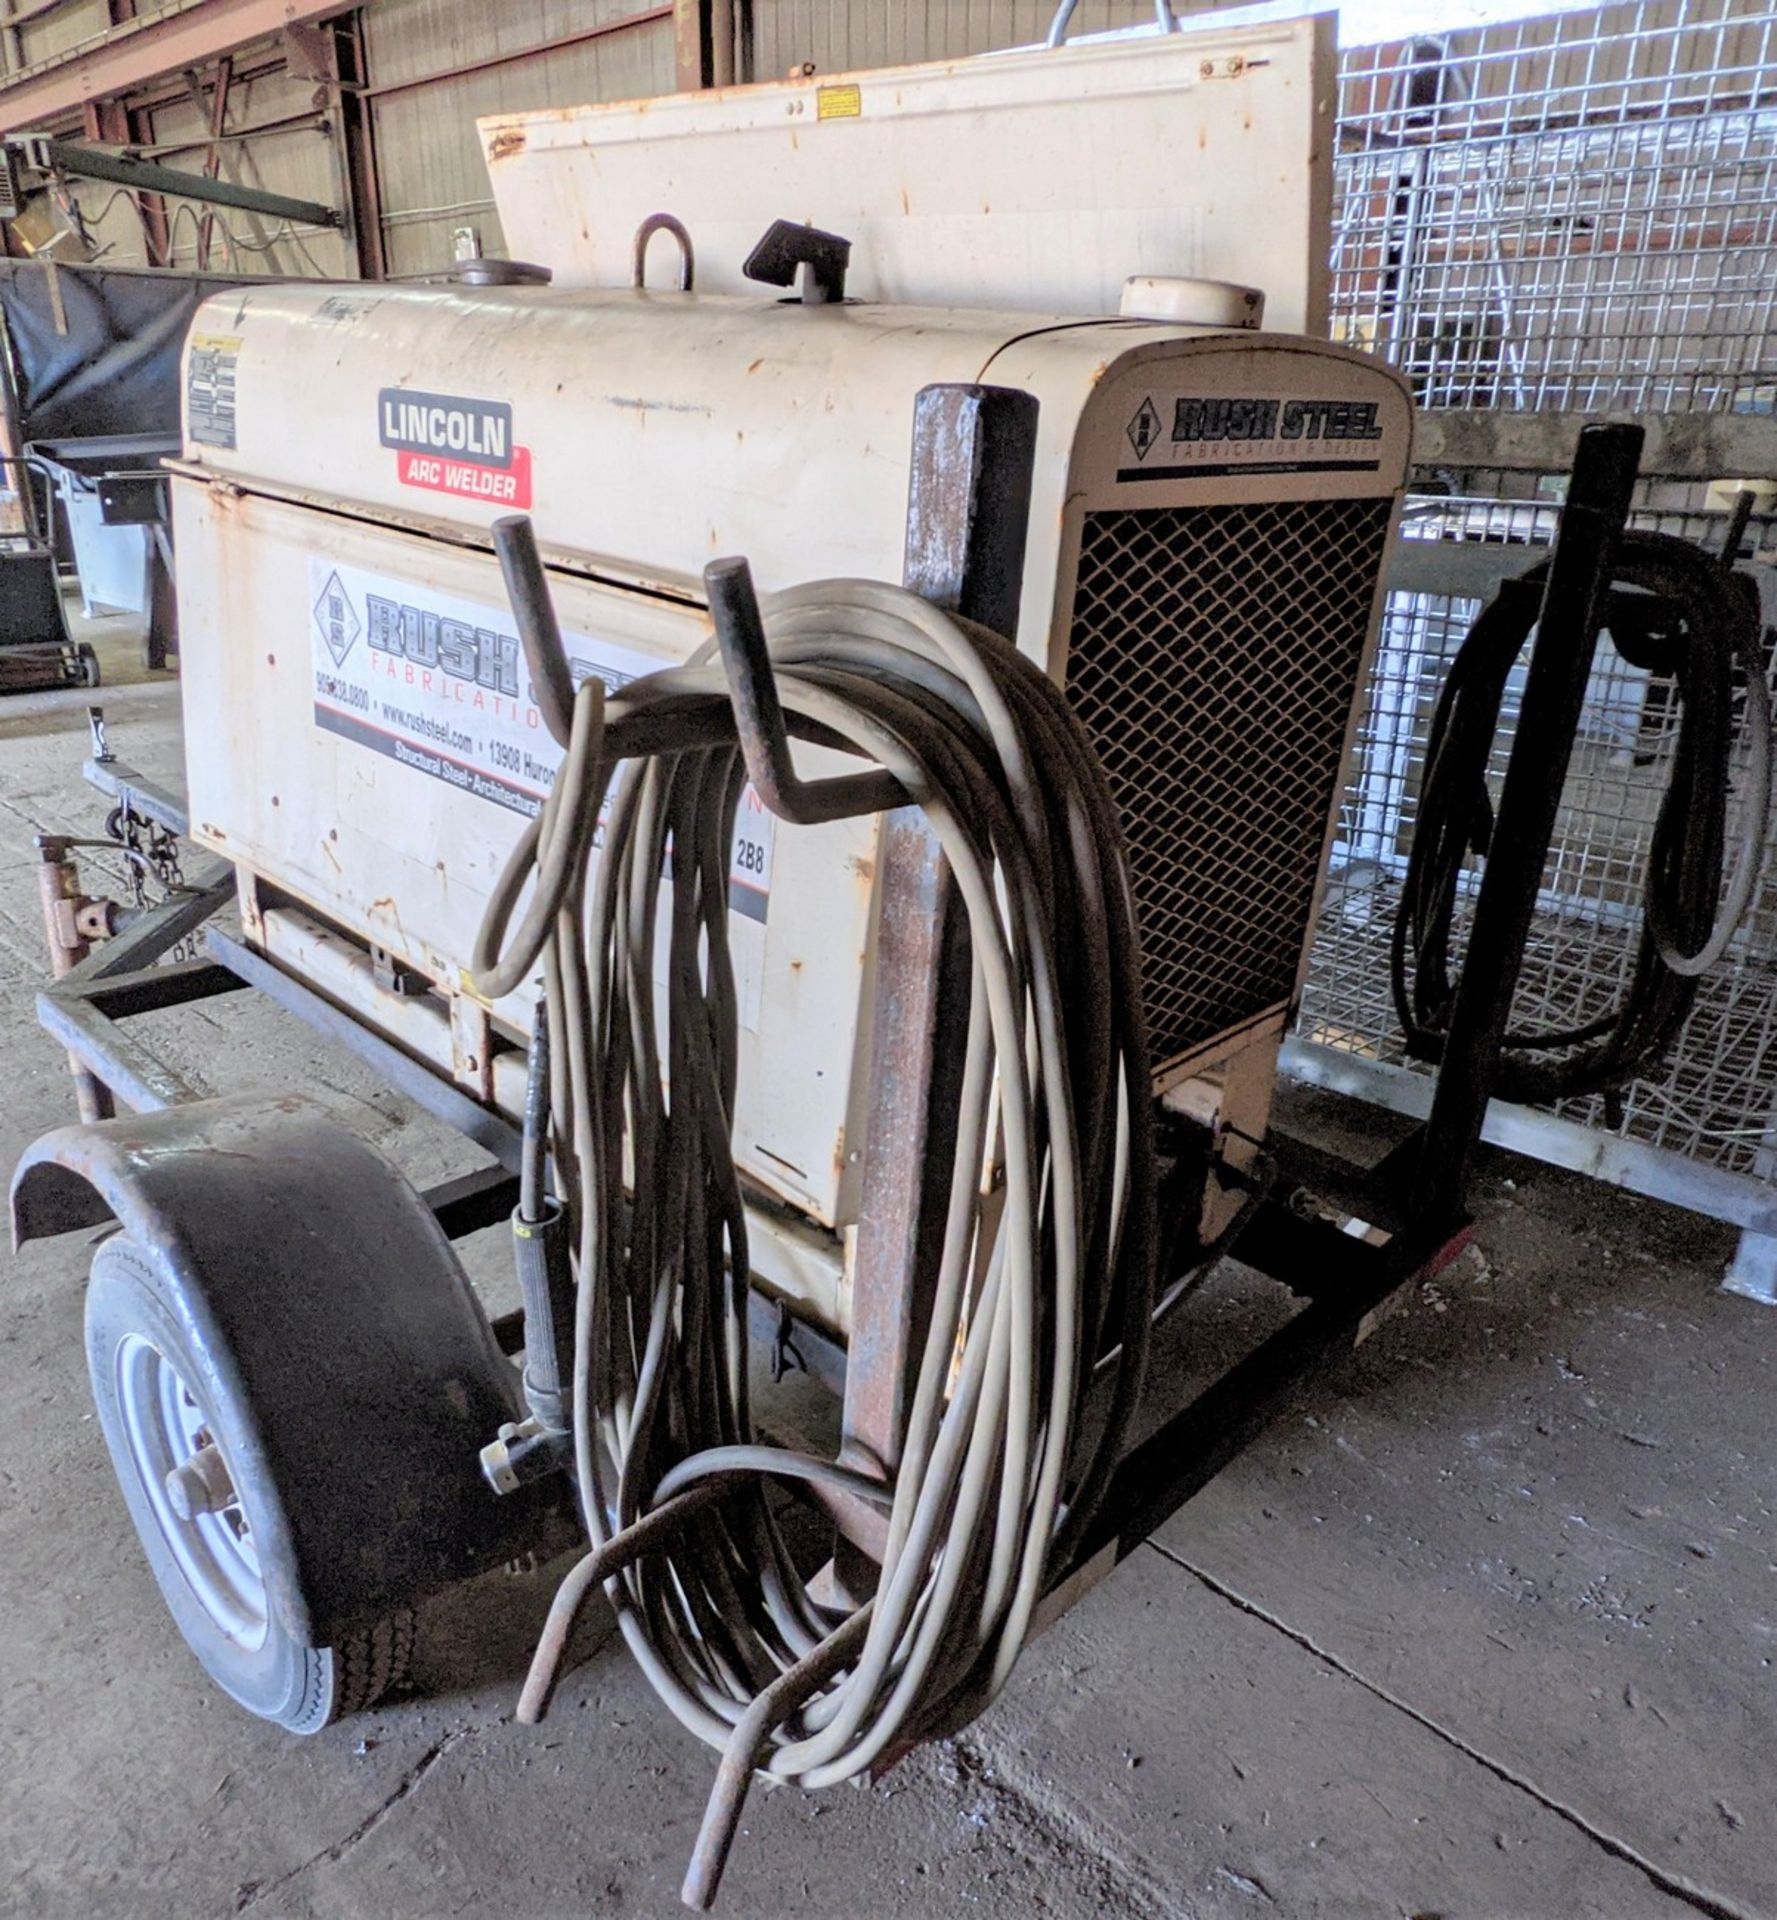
1215	742
1573	212
1714	1102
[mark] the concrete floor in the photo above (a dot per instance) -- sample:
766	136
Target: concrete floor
1485	1628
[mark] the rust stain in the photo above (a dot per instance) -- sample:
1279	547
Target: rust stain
505	144
906	202
757	364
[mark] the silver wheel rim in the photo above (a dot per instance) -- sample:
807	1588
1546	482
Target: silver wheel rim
165	1425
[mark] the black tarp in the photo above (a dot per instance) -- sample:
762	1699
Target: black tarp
109	364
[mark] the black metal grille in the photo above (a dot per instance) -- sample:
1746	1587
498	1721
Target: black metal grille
1214	660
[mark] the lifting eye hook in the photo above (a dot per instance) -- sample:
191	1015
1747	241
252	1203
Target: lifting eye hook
663	223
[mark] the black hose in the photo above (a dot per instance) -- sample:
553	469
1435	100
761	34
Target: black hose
1677	613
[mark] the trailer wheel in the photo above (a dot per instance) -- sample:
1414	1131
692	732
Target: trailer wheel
89	665
192	1465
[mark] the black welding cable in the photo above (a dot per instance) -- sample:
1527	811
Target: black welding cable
1674	612
1001	1470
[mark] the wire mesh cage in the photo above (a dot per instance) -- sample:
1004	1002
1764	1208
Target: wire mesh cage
1575	212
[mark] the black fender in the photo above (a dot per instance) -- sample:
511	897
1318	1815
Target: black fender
320	1286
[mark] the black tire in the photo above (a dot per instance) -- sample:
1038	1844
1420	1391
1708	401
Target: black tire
151	1377
89	665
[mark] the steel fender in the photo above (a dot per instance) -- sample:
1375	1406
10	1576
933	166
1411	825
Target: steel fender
327	1300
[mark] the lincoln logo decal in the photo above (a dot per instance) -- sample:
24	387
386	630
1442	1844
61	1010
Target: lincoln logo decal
449	444
437	423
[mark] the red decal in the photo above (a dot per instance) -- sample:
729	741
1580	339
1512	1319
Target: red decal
443	473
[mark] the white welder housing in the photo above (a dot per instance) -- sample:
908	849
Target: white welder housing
1209	516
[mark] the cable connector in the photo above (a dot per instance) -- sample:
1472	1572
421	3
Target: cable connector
523	1451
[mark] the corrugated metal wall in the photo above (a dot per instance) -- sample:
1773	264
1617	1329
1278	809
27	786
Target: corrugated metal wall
299	159
297	155
432	173
58	32
838	34
432	67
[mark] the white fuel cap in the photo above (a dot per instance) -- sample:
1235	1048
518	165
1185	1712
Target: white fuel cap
1192	303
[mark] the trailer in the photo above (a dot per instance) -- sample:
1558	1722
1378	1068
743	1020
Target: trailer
830	795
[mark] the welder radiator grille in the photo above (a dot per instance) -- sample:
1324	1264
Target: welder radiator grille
1214	659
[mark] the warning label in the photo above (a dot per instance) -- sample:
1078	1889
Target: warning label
838	103
210	388
438	684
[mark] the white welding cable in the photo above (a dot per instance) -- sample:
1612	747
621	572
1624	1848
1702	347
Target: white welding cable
1002	1469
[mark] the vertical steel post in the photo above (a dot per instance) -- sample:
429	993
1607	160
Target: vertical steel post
691	27
974	449
134	126
355	134
218	115
58	886
1598	497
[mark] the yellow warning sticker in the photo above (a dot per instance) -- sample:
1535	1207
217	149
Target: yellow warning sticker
838	103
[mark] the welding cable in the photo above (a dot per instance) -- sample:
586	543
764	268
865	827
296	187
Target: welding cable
1674	612
1017	1417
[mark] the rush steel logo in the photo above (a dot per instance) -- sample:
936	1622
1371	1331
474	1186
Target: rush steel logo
1201	420
1311	435
449	444
454	647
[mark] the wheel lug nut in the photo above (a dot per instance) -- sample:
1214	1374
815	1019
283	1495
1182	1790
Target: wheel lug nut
200	1484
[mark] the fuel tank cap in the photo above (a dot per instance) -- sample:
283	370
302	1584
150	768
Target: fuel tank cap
1192	303
500	273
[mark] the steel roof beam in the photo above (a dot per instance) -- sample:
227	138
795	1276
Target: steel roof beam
124	58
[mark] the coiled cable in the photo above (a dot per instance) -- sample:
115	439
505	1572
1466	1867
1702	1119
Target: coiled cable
1040	1285
1673	611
